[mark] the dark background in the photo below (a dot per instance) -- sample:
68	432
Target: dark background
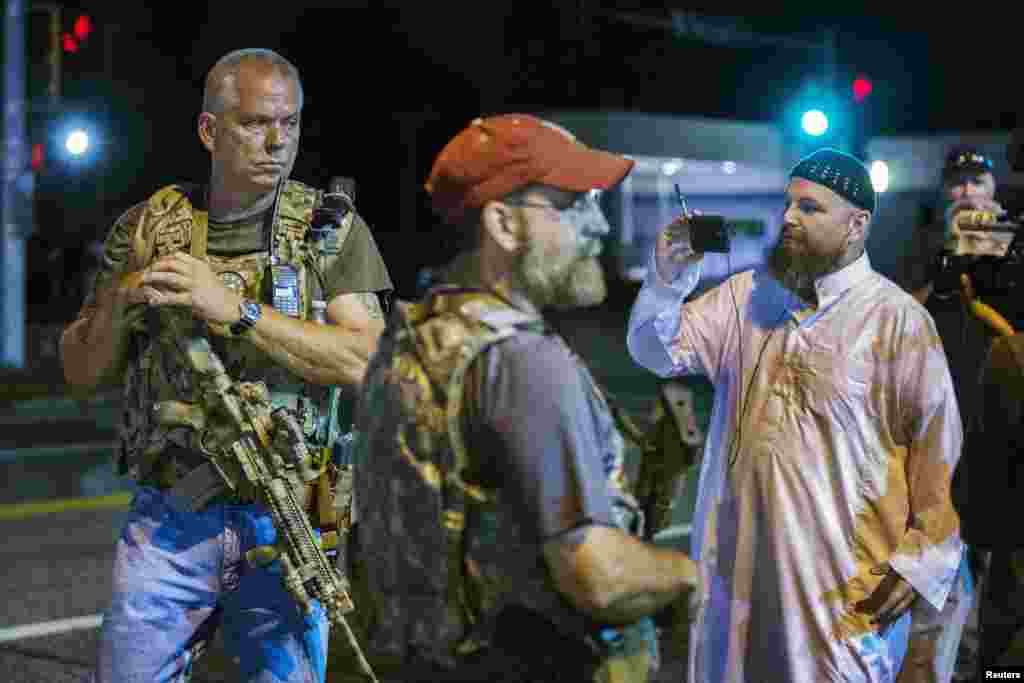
387	87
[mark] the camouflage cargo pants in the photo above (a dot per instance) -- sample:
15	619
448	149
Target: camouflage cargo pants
178	576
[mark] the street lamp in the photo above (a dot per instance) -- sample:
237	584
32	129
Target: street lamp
77	142
880	176
814	122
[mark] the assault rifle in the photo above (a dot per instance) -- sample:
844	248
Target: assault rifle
261	457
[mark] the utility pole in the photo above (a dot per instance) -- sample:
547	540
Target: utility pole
55	53
16	195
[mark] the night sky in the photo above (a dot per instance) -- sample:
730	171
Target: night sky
385	89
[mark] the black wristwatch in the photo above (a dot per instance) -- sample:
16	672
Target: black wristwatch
251	312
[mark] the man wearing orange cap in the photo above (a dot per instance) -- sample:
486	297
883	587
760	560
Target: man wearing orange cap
495	527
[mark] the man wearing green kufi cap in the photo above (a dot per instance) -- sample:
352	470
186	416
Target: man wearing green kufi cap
823	510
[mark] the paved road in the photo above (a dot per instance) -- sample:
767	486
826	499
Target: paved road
62	505
56	568
61	509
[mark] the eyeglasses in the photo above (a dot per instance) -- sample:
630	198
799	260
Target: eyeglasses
534	205
578	204
584	214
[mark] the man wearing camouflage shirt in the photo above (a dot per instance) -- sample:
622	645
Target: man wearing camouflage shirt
235	254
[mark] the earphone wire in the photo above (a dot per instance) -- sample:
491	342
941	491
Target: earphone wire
743	397
739	341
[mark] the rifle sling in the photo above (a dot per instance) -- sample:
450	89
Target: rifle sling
200	229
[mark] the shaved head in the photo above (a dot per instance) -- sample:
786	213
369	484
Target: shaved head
221	90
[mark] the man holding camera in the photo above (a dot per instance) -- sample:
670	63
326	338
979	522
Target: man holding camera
988	480
967	185
824	510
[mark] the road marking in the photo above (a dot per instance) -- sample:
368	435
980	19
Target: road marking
673	533
49	628
13	454
45	507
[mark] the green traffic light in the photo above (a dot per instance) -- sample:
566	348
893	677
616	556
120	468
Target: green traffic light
814	122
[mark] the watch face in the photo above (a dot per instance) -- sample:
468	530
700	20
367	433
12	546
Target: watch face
252	309
233	281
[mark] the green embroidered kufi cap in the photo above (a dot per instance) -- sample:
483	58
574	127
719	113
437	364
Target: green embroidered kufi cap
840	172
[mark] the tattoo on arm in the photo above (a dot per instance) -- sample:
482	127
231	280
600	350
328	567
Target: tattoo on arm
372	304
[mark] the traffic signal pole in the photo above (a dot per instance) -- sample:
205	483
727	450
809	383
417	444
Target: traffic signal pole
16	194
55	52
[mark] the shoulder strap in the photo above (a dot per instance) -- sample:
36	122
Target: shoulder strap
200	230
504	322
158	227
456	385
296	203
166	225
170	221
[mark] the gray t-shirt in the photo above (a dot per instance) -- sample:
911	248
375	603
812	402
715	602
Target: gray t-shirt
541	438
544	432
546	436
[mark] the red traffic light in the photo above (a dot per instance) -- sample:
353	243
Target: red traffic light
861	88
38	157
70	44
83	27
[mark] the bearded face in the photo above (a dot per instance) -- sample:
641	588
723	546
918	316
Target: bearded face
817	228
561	277
557	266
797	264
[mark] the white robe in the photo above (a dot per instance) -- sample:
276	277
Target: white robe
844	431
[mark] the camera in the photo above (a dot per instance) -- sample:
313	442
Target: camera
990	274
709	234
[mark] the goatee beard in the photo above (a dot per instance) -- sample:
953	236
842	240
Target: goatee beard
798	272
576	284
585	284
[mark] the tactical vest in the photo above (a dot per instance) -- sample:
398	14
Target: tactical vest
424	507
155	448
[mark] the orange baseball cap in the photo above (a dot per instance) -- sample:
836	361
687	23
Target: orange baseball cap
495	156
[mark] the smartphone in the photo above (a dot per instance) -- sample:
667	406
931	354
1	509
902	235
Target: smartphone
707	233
